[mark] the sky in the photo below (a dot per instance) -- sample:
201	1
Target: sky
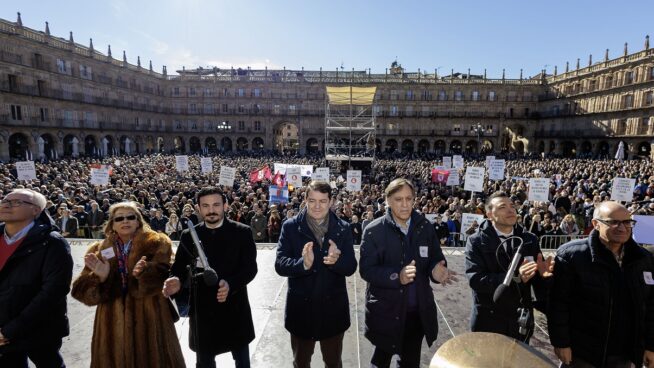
426	35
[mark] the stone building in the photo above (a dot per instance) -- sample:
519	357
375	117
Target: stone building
61	98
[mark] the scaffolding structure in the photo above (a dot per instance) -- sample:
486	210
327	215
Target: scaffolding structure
350	127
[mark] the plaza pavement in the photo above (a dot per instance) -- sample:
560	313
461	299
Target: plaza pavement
271	347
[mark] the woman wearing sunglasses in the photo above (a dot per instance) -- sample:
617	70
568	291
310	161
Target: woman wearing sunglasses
134	325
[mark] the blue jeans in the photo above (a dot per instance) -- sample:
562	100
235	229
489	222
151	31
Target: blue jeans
241	358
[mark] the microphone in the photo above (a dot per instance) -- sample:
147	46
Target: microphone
497	296
210	276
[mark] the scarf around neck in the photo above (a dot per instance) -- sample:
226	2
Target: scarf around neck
318	229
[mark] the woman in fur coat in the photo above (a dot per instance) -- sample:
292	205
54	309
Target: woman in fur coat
123	277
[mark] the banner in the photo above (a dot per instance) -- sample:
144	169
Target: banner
457	162
294	176
181	163
258	175
539	189
439	176
474	179
321	174
279	180
280	168
623	189
206	164
467	222
25	170
447	162
454	178
496	169
644	229
307	170
488	161
227	176
353	180
277	195
99	177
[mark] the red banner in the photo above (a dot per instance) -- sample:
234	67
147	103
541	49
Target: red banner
257	175
439	176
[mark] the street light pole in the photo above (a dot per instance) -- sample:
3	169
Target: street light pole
479	129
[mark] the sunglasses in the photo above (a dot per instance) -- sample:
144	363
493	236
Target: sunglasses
123	218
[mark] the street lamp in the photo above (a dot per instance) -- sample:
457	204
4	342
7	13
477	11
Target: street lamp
224	126
479	130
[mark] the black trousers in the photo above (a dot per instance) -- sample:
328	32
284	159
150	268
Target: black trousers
411	346
331	349
42	357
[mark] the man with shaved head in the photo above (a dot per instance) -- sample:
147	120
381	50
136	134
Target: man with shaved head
601	311
35	273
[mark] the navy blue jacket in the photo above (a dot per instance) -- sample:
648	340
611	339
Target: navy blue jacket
317	305
33	287
486	266
384	252
582	297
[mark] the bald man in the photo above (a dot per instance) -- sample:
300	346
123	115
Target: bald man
601	311
35	273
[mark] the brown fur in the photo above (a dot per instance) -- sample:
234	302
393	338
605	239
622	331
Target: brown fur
137	330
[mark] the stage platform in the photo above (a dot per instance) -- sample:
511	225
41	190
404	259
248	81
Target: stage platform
271	347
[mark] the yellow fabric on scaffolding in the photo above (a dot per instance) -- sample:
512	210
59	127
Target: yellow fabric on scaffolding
351	95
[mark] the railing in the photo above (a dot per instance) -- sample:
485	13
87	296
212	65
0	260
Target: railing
555	241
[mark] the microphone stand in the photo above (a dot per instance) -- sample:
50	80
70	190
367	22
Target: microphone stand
210	279
497	296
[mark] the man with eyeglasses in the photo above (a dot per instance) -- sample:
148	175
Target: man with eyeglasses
601	311
35	274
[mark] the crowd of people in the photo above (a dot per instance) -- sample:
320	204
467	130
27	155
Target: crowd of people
166	196
130	273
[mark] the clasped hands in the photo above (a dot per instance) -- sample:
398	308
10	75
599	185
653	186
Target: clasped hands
333	253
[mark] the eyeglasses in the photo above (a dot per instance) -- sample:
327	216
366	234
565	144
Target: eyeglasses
14	203
123	218
615	223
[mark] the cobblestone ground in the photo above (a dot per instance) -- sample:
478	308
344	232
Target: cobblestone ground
271	347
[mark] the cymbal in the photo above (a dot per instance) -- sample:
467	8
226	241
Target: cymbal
487	350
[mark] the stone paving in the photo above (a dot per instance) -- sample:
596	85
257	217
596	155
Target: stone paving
271	347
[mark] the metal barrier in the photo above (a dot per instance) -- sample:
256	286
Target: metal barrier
555	241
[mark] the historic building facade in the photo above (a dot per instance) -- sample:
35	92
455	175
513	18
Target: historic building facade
60	98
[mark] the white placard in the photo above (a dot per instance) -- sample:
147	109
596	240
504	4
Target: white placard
457	162
181	163
496	169
294	176
539	189
474	179
280	168
454	178
644	229
467	219
447	161
99	176
623	189
488	161
353	180
25	170
321	174
431	217
307	170
206	164
227	176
